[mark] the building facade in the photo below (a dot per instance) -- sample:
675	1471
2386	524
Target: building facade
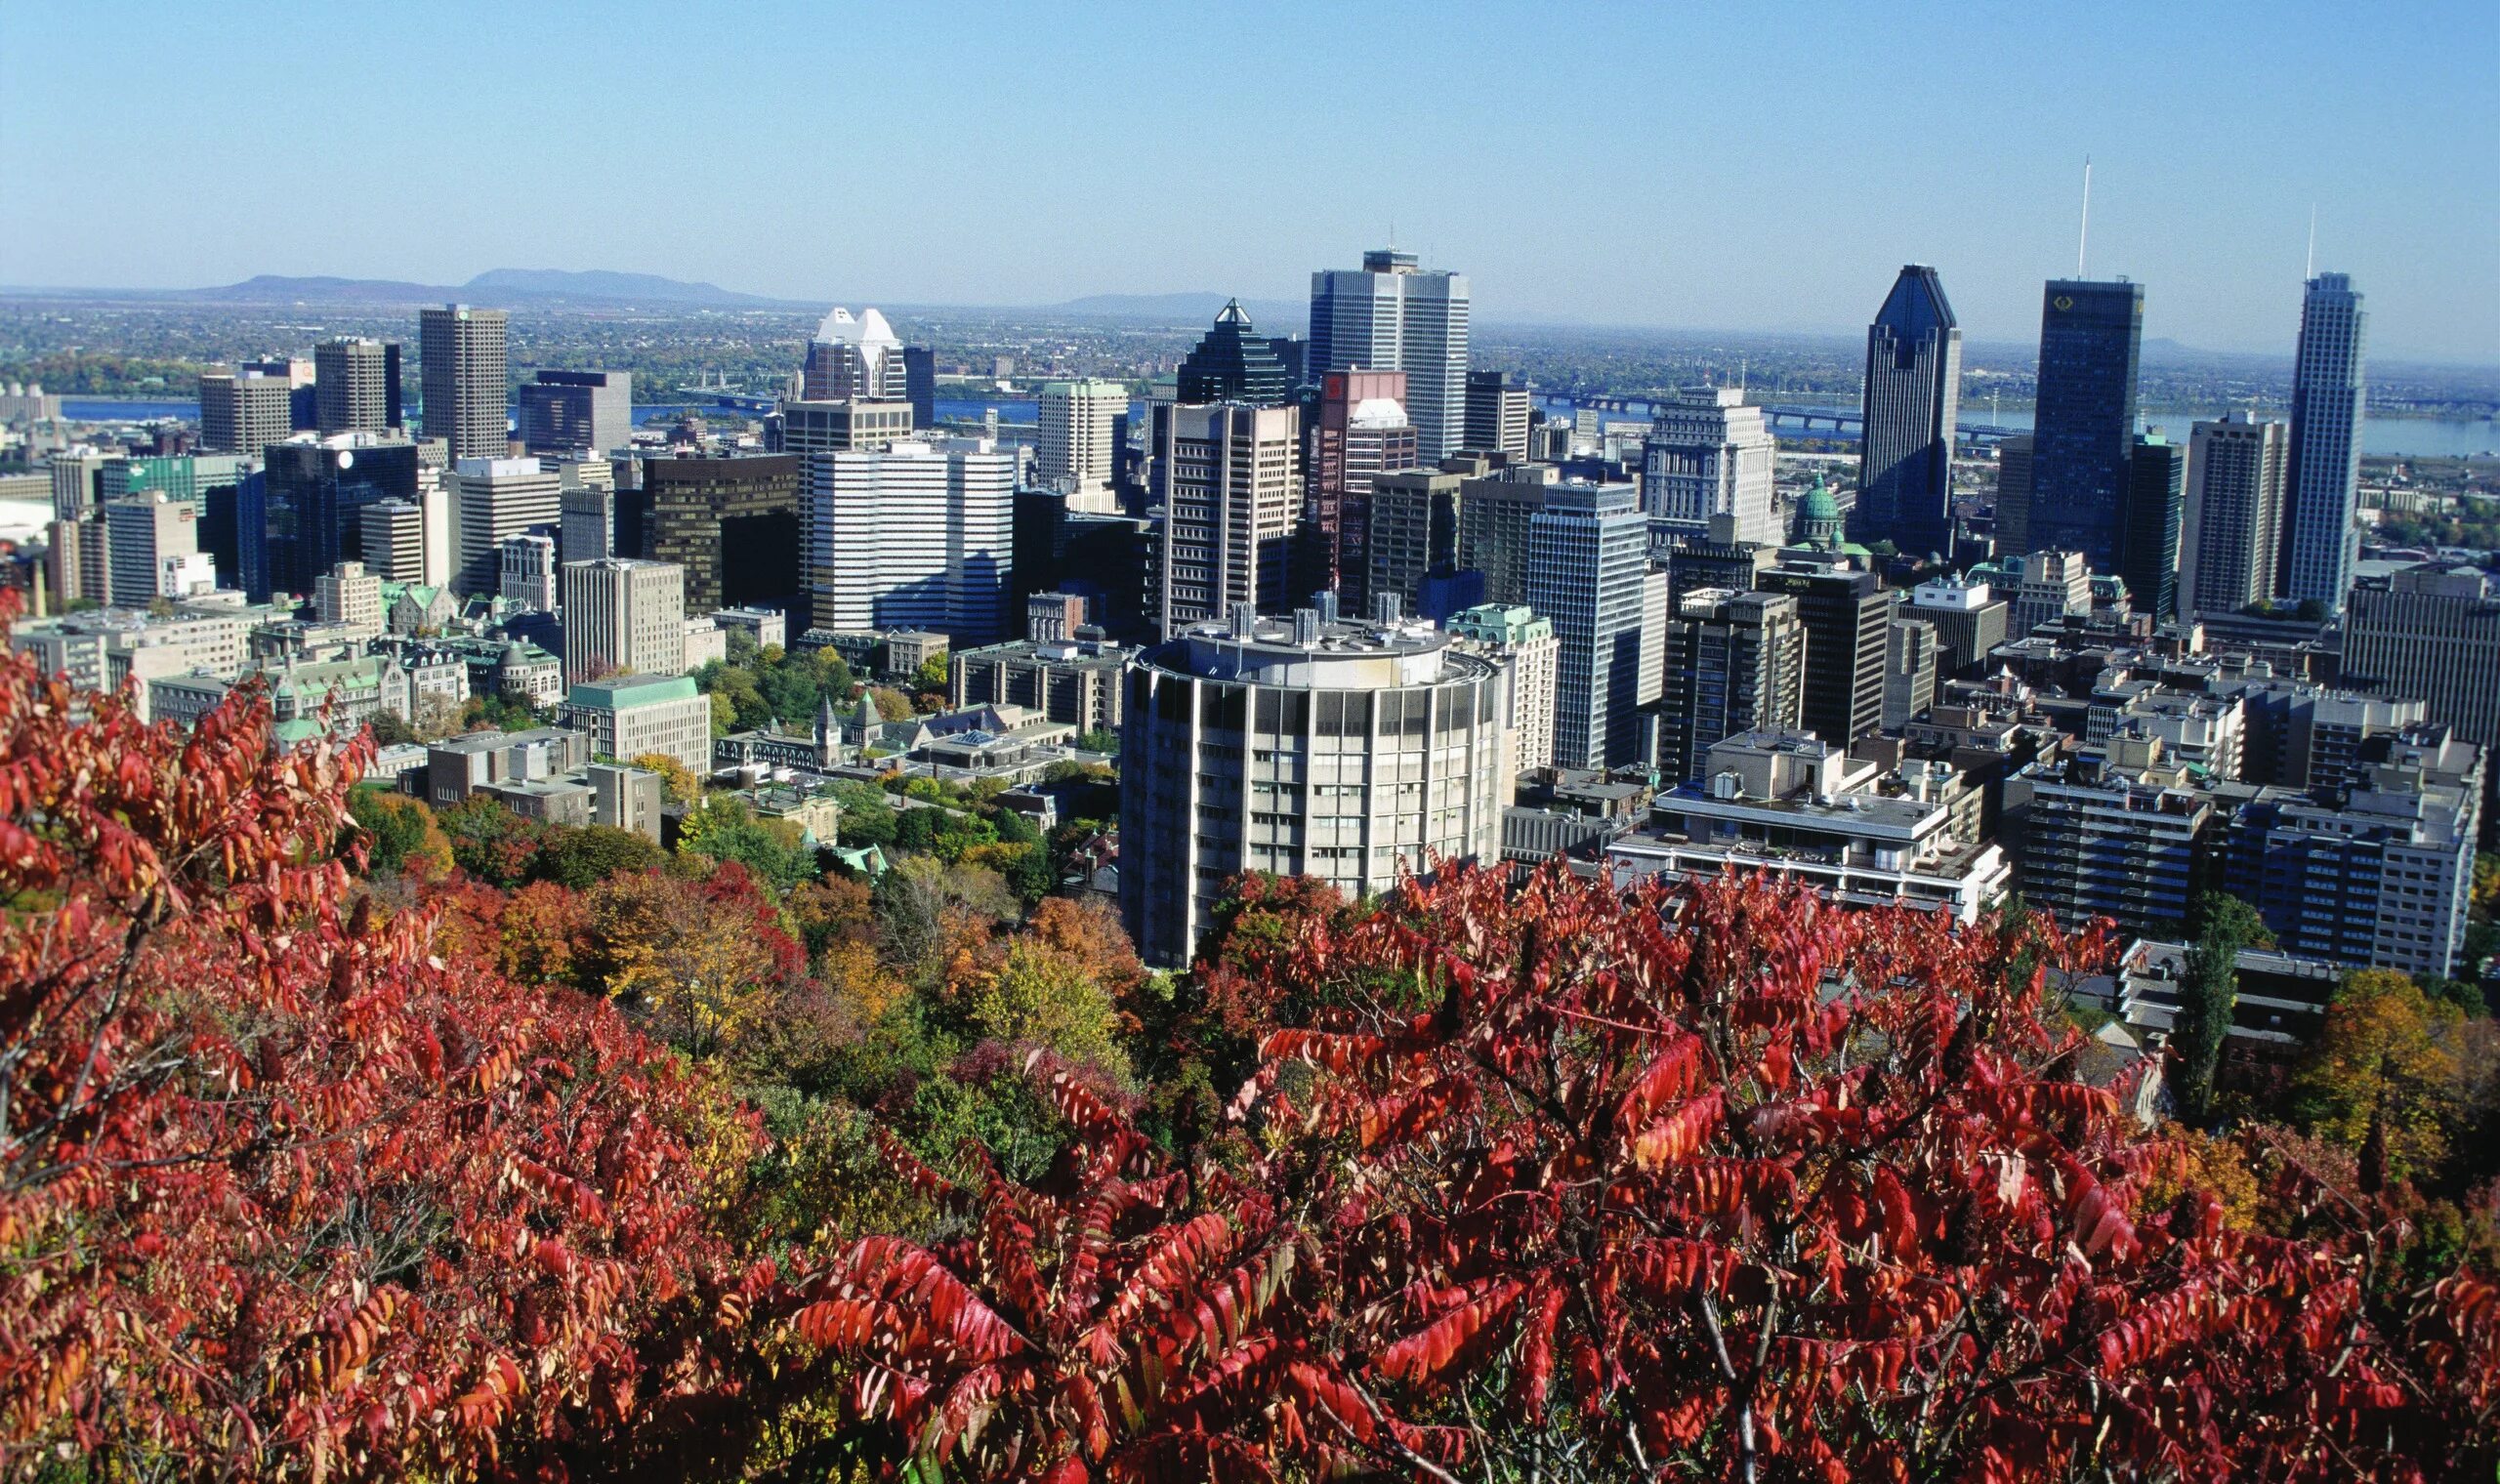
2084	426
466	394
355	384
1910	408
1709	453
920	535
1587	569
1229	499
2323	471
576	412
1391	316
2157	511
2235	501
622	613
733	523
1523	644
629	716
1736	663
1074	445
1845	615
1497	415
854	356
244	411
2430	634
493	499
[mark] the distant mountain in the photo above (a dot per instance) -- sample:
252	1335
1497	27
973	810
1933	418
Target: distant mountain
503	286
599	285
271	288
1273	316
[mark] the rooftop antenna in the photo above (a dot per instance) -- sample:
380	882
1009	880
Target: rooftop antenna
2083	234
2309	265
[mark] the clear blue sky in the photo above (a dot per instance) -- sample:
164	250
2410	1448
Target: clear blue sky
1729	166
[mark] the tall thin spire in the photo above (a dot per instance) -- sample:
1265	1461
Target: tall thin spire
2309	265
2083	234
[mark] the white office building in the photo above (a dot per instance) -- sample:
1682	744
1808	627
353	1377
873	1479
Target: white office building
1709	453
1074	445
622	613
490	501
1391	316
920	535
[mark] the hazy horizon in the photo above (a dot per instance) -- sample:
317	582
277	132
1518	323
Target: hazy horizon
1712	173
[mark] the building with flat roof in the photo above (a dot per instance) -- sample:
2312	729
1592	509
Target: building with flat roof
1075	683
630	715
466	398
1074	442
1709	453
733	523
495	499
917	535
1523	644
1350	752
576	412
1391	315
622	613
355	384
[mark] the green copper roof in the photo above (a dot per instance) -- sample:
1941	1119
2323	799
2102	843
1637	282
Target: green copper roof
630	690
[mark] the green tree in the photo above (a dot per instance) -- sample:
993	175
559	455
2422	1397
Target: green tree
2208	994
723	828
932	674
1098	740
1039	997
583	859
402	834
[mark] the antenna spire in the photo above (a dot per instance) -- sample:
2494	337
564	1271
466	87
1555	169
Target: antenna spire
2083	234
2309	265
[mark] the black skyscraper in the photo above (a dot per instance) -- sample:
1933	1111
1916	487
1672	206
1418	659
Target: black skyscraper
2156	505
920	384
2085	427
1913	395
1234	363
302	517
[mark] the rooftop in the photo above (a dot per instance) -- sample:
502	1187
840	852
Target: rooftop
627	691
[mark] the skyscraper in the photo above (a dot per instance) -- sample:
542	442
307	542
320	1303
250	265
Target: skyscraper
305	513
355	384
2328	397
731	523
466	398
1845	614
1074	440
1911	402
1710	454
577	412
2013	493
243	411
491	499
2156	494
622	614
920	384
920	535
1359	431
1410	529
1229	502
141	533
1389	316
1736	662
1587	564
2232	525
1497	408
1234	363
854	356
2084	428
2430	634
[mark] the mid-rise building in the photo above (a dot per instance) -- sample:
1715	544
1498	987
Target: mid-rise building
350	596
631	715
2324	470
1587	570
2113	831
2053	585
1497	413
2235	501
2430	634
1410	528
1912	662
2156	502
492	499
1229	499
1073	441
1736	663
855	358
1910	408
1073	681
622	613
920	535
733	523
1968	617
577	412
526	571
1350	752
141	533
355	384
1524	644
1845	614
1709	453
243	411
467	390
1391	315
394	539
2084	426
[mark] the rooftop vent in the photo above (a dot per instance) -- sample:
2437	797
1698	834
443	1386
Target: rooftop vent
1326	602
1244	620
1384	607
1306	627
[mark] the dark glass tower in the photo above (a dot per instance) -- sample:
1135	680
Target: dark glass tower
2157	504
2083	435
1912	401
920	384
2328	398
1234	363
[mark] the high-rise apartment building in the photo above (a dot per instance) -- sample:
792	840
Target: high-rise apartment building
141	533
623	614
244	411
1391	316
1523	644
394	533
2324	468
1229	500
2156	502
467	390
920	535
1233	362
1346	752
1074	442
1910	407
577	412
1735	663
854	356
526	571
733	525
2235	501
2084	426
1710	454
1588	562
1497	413
1845	614
2430	634
355	384
1359	431
491	499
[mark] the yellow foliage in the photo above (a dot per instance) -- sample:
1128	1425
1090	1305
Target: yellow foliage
2386	1053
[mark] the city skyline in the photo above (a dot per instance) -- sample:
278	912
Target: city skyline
1976	173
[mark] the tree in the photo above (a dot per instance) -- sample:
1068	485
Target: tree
491	842
831	910
677	781
1099	741
1038	996
932	674
2208	996
583	857
700	961
725	829
2382	1072
292	1190
401	835
892	703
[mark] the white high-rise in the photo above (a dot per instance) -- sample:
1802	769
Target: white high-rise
1391	316
623	614
853	357
920	535
1709	453
2234	510
528	571
1074	443
491	499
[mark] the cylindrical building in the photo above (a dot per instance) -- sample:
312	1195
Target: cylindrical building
1344	751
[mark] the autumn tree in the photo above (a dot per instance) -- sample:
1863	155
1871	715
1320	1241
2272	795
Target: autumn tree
401	835
702	962
678	782
2383	1074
